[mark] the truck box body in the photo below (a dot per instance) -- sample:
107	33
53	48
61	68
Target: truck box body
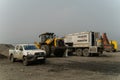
84	40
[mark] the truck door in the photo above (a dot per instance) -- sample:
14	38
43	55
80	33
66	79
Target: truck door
20	52
16	51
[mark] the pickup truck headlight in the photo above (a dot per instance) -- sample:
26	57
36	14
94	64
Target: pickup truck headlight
28	53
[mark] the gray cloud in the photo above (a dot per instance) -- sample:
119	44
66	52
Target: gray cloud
22	21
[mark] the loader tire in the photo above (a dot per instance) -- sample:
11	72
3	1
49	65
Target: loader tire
86	53
47	49
79	52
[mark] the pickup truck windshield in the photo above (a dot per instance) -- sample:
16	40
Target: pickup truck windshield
30	47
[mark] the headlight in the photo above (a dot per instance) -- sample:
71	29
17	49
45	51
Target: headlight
28	53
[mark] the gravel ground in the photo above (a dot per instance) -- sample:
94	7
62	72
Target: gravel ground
105	67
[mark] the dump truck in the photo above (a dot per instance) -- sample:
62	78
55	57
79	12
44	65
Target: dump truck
84	43
51	44
109	45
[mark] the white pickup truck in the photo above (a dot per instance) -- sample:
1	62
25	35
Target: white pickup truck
27	53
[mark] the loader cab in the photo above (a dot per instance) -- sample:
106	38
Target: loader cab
45	36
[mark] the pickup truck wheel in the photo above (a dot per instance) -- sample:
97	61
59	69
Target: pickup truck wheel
79	52
86	52
12	59
25	61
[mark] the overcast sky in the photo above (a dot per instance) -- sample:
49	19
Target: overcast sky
22	21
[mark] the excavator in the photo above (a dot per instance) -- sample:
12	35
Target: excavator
51	44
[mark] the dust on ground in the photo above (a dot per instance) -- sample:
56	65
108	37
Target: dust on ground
105	67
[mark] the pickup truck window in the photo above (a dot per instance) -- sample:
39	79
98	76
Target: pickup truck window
30	47
21	48
17	47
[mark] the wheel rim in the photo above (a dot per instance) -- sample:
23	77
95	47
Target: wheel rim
86	52
79	52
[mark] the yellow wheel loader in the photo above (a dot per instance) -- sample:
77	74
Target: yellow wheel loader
51	44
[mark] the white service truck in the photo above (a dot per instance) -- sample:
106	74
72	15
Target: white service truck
84	43
27	53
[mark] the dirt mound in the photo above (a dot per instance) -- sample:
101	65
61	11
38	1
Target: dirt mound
2	56
4	48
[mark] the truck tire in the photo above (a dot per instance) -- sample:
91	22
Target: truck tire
79	52
86	52
12	59
47	49
25	61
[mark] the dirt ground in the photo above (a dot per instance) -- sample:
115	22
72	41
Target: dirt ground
105	67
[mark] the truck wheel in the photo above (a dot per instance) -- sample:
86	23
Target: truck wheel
25	61
12	59
79	52
86	52
47	49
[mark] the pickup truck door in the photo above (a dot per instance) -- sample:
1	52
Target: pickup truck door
16	51
20	52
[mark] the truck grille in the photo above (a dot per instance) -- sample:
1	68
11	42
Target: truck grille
39	54
93	49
